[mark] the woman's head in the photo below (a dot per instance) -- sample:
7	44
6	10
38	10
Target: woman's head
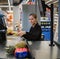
33	18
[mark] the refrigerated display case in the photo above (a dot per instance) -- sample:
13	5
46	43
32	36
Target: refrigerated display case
46	28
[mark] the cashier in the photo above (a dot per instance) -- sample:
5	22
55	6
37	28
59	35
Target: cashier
35	31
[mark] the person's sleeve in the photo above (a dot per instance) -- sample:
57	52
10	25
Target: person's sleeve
30	36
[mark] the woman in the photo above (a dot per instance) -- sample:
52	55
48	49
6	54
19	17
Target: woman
35	31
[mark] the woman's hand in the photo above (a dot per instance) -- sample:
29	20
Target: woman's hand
21	33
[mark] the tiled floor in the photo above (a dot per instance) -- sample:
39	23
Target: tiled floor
40	50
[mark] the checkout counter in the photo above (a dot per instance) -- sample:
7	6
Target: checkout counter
39	49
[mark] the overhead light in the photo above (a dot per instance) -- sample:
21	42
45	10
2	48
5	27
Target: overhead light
48	1
55	2
51	1
5	6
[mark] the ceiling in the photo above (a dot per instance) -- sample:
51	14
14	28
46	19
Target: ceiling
46	1
55	2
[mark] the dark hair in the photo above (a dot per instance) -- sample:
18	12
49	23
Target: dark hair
34	15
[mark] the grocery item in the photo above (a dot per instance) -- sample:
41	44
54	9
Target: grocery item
10	49
21	44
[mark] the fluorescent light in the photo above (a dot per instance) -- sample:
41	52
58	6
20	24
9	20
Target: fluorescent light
5	6
55	2
48	1
51	1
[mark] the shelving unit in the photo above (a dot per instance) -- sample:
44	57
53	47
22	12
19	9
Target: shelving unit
56	17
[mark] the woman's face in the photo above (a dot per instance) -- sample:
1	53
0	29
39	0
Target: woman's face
32	20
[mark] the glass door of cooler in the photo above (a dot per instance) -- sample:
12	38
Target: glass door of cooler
46	29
